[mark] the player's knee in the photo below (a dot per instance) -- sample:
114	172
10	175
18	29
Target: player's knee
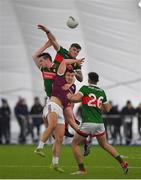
74	143
59	140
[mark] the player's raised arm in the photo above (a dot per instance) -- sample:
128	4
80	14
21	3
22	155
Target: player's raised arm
39	52
65	62
50	36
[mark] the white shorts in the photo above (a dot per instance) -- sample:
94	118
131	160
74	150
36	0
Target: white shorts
94	129
53	107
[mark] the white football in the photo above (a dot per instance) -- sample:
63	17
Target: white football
72	22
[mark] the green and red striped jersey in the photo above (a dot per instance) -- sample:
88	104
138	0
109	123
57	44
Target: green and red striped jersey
48	77
63	54
93	98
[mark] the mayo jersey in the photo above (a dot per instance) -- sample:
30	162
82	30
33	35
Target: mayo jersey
48	77
93	98
63	54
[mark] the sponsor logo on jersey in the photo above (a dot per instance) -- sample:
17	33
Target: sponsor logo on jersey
48	75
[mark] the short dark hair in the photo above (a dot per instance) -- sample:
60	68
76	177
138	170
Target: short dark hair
93	77
76	46
128	102
70	70
36	98
46	56
4	100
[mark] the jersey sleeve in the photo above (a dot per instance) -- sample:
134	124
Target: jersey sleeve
59	57
62	51
82	90
76	67
105	98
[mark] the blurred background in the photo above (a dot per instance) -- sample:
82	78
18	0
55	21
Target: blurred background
109	33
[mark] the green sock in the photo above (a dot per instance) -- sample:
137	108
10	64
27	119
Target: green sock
119	159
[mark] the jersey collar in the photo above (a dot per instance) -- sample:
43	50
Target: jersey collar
93	85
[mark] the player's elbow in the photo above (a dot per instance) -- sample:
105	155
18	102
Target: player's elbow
106	108
79	78
34	56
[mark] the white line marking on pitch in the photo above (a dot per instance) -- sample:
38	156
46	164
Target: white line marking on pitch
133	157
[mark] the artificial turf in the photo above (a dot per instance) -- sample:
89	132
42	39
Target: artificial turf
19	162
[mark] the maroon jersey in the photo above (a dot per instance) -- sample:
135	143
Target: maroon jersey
59	92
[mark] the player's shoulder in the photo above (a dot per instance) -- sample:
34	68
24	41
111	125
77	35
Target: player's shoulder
97	88
62	49
85	86
101	91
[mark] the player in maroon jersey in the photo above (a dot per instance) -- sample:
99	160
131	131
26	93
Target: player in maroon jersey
63	83
61	54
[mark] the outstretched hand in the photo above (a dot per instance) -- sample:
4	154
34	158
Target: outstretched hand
80	61
43	28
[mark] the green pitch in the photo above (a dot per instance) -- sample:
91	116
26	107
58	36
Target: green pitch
19	161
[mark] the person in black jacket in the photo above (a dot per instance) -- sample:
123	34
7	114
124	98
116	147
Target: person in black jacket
21	113
127	113
138	111
5	115
36	115
1	126
113	122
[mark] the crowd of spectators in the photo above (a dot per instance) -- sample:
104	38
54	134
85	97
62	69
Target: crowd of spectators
116	120
29	120
118	123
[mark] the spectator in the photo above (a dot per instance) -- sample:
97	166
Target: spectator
1	126
127	113
116	125
138	110
21	113
108	122
5	121
36	115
